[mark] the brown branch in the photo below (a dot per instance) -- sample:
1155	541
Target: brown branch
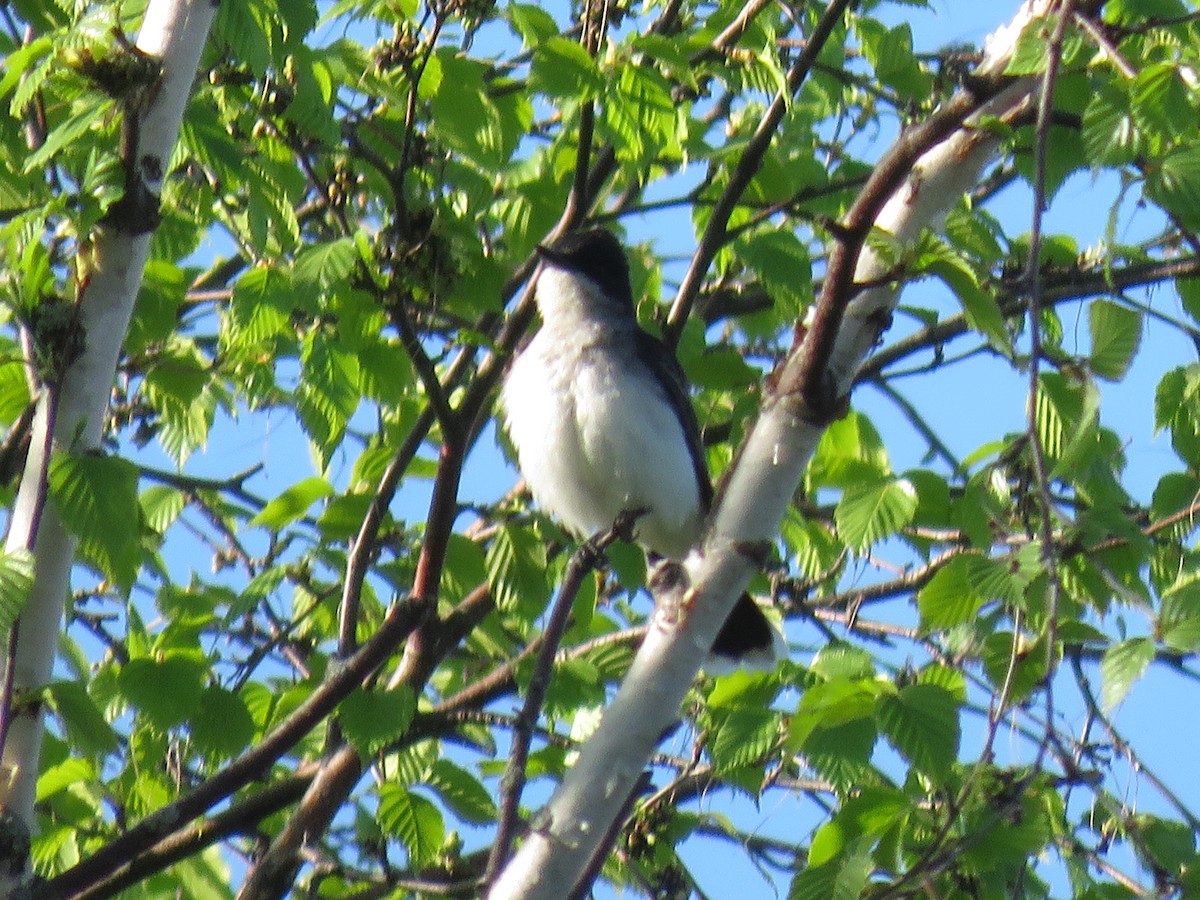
583	561
1058	289
808	378
238	819
747	166
251	765
1033	282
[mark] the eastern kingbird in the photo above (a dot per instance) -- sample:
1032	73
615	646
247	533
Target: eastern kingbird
599	413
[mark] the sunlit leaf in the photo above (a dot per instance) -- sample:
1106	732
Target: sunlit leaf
1122	665
921	720
1116	333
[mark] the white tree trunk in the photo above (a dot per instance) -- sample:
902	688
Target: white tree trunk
174	32
569	831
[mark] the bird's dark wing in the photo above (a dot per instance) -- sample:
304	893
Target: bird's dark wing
662	362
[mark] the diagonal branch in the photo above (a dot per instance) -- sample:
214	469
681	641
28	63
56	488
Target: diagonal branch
747	166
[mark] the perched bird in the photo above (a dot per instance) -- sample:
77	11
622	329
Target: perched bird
599	413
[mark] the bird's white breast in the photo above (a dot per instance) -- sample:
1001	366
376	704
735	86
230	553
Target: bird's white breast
595	436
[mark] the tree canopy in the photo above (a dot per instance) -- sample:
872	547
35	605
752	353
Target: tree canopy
278	614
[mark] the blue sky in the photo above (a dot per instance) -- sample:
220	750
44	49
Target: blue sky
982	396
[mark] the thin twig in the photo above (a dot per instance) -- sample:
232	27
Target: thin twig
747	166
1033	282
583	561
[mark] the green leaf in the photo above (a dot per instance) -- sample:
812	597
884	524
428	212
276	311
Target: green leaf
1179	617
922	723
1067	415
293	503
261	305
167	690
841	660
949	598
1175	184
87	729
220	724
62	776
328	394
16	581
871	811
97	499
563	69
831	704
1123	664
532	23
979	305
371	719
743	737
842	754
462	792
1171	844
1116	333
414	820
1110	133
516	571
722	369
322	266
161	506
849	452
869	511
1023	674
70	132
842	878
1030	54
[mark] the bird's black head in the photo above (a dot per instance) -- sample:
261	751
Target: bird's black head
595	254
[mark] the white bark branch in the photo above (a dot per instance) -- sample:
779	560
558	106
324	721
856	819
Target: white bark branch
566	834
174	32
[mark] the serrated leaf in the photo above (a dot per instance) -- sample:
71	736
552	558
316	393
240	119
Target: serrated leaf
534	24
1121	666
166	690
849	452
97	499
516	571
329	391
979	305
743	737
161	505
842	754
829	705
562	68
842	878
293	503
1030	54
61	776
1179	617
949	599
325	265
841	660
1116	334
1110	133
462	792
921	720
1175	184
70	132
370	719
87	729
414	820
869	511
261	304
220	724
16	581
